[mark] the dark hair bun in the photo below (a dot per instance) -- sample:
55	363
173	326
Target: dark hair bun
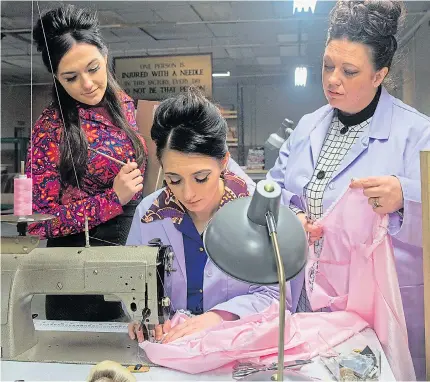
384	16
191	124
185	109
375	18
62	20
371	22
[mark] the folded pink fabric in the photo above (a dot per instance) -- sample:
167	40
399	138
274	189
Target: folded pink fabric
355	276
255	338
356	272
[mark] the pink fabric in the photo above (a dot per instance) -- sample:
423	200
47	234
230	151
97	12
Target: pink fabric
255	338
355	276
356	272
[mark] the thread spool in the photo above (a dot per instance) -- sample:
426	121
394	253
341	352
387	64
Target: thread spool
23	194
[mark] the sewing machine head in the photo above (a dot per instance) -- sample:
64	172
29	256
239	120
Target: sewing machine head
131	274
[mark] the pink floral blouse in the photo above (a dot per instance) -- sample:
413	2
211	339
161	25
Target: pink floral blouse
96	198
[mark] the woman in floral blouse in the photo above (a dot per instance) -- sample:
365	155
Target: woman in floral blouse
71	181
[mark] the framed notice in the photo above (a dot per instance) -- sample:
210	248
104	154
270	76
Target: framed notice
158	77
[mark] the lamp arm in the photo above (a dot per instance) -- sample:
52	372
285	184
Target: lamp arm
271	226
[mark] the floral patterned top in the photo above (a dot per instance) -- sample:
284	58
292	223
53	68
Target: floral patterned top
166	206
97	200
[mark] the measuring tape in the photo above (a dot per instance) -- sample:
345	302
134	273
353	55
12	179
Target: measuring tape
81	326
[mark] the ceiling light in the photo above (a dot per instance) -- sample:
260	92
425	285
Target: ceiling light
304	5
300	76
226	74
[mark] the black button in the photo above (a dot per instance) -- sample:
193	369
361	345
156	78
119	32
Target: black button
321	174
344	130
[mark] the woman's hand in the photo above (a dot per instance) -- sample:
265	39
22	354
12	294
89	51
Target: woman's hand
315	232
193	325
135	331
384	192
127	182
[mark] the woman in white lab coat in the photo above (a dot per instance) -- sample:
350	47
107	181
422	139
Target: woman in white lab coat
367	134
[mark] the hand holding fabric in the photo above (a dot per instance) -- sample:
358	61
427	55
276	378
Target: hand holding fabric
314	231
193	325
384	193
135	331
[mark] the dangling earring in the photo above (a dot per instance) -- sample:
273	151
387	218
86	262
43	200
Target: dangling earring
222	175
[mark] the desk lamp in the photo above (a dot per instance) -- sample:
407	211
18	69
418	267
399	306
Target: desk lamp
242	240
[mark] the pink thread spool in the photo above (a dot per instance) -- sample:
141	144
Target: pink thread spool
23	194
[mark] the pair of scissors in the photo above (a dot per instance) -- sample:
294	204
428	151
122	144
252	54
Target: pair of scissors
244	369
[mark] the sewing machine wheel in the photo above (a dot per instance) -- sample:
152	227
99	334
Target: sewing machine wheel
270	375
13	219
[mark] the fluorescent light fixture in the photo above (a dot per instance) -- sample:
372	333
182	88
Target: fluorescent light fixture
300	76
226	74
304	5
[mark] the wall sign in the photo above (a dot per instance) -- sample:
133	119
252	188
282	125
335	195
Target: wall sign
159	77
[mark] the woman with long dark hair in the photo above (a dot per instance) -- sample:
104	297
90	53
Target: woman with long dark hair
89	115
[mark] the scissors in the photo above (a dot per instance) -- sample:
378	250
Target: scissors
243	369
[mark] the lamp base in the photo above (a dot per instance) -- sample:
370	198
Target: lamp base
270	375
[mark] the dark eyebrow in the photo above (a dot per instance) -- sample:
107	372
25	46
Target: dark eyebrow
326	58
348	63
343	63
91	62
195	173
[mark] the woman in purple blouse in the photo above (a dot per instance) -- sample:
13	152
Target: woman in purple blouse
190	137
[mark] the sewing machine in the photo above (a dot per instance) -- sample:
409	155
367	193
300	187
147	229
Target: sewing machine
134	275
